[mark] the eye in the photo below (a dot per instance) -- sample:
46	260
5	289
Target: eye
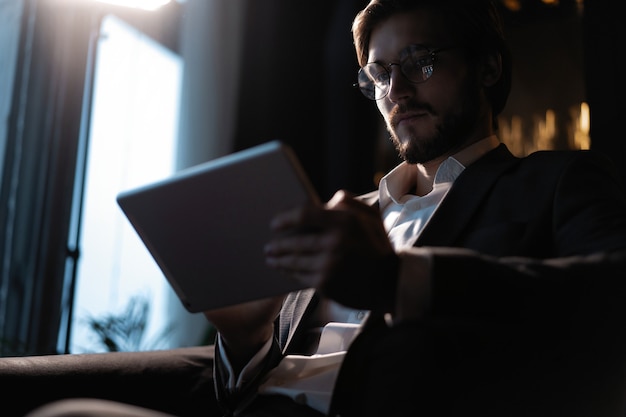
417	62
376	73
417	67
381	77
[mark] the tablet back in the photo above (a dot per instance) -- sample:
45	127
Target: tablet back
206	225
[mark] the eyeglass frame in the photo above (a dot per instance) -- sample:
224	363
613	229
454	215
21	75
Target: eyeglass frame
387	67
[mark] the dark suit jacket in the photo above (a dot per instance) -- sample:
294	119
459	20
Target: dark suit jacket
514	238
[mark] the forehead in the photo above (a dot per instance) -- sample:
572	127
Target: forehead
402	29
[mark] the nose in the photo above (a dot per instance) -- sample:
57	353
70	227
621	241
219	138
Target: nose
399	86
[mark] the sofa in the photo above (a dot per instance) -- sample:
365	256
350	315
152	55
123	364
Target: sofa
177	381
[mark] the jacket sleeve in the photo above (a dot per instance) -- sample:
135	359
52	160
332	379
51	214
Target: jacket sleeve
570	264
467	284
581	267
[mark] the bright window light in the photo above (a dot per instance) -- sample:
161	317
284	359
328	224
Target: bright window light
132	135
138	4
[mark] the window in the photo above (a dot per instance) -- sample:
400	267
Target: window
131	142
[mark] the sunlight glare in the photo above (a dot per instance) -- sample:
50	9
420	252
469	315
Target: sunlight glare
138	4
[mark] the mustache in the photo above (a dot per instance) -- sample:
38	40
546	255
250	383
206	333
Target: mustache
399	111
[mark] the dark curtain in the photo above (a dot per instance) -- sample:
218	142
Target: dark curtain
38	177
296	85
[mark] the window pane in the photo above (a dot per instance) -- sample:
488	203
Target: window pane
134	122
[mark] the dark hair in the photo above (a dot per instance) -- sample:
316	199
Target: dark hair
477	24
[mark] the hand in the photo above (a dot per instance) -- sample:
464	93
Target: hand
341	248
245	328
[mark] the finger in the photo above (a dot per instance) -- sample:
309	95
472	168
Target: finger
295	244
299	267
305	219
292	219
346	201
340	197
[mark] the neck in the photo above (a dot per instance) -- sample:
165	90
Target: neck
426	175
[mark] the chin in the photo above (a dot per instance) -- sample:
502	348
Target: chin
401	146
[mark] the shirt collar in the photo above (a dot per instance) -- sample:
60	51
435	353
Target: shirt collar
401	179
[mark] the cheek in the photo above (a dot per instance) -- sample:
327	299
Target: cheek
384	107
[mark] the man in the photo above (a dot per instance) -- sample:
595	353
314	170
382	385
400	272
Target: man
471	282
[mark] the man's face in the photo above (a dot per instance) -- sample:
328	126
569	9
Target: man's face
432	119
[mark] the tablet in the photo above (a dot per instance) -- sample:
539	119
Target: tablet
206	225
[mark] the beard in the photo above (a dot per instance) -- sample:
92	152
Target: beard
450	134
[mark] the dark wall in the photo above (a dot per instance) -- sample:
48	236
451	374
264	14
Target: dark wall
604	37
298	69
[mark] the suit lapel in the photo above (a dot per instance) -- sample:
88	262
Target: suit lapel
294	309
465	197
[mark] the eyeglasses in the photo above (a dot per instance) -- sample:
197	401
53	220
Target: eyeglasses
416	64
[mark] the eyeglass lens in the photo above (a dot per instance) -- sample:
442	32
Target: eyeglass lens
416	64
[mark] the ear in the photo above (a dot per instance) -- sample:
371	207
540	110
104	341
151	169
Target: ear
492	69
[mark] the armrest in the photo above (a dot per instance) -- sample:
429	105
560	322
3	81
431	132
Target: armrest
177	381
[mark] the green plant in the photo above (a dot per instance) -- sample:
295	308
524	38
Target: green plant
126	331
